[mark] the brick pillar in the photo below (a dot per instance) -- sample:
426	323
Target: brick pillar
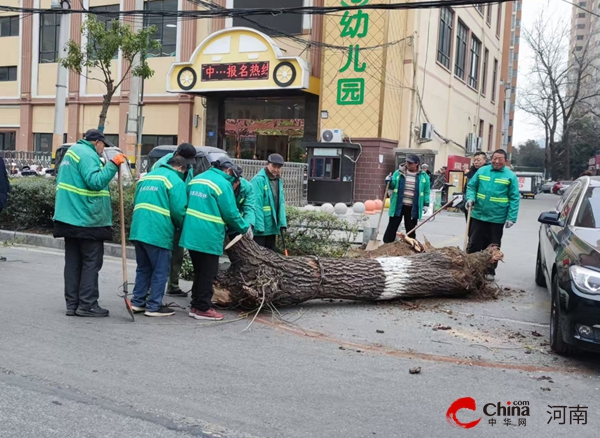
369	181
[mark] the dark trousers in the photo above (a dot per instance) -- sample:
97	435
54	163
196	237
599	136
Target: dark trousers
176	263
83	261
483	234
266	241
394	224
206	268
151	275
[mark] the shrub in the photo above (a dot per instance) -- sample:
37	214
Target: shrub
31	206
317	233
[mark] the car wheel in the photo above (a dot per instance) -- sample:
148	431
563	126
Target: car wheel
557	343
540	280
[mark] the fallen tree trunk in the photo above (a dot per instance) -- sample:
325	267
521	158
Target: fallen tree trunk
259	276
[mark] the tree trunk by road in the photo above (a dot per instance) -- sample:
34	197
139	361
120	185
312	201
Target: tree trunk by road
258	275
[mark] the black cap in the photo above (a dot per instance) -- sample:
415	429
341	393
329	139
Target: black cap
413	159
226	163
187	151
95	135
276	159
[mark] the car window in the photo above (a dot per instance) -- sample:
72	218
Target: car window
566	212
589	212
565	197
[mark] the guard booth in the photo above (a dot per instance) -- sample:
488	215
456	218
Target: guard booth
331	172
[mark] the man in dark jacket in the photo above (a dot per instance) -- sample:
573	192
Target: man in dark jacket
4	189
479	160
83	216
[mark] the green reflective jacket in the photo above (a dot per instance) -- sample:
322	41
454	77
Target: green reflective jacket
422	191
82	196
211	207
268	223
245	201
189	174
496	195
159	207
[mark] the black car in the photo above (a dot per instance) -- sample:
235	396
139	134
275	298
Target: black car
568	262
205	156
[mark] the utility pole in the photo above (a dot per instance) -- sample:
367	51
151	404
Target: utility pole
62	73
133	129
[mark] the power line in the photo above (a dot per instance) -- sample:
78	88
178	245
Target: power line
582	8
245	12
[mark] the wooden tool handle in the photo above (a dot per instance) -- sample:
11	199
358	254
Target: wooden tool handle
385	194
122	215
428	219
467	230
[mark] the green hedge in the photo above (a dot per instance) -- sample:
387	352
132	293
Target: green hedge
31	206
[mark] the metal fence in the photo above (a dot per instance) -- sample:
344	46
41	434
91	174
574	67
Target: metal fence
18	159
294	177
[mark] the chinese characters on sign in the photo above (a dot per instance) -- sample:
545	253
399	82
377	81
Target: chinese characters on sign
235	71
355	24
577	414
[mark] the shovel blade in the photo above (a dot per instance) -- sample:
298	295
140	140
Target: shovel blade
373	245
129	308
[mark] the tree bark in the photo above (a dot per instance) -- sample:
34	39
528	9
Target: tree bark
259	276
105	105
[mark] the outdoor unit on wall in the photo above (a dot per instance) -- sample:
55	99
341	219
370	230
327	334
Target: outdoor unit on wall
474	143
426	133
332	136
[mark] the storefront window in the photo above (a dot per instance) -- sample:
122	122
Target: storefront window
42	142
7	141
265	108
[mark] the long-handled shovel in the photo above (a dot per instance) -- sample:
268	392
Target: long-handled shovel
374	243
402	235
124	248
467	230
285	251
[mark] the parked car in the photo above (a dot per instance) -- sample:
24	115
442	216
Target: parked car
107	155
560	186
205	156
568	263
547	186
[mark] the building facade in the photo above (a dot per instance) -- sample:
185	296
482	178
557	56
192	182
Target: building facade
259	85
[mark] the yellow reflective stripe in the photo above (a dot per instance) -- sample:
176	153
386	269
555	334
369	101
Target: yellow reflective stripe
204	216
480	196
164	179
154	208
502	181
500	200
82	192
267	208
242	200
208	183
484	178
73	155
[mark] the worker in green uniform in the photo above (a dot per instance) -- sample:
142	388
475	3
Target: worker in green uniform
211	208
269	201
83	216
188	152
159	208
244	198
493	195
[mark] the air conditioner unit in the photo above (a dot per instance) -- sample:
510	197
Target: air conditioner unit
471	143
426	133
478	143
332	136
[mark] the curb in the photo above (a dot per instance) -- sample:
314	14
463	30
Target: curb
110	249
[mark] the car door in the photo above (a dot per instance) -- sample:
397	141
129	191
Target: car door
552	235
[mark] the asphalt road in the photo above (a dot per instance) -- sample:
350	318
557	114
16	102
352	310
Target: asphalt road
322	371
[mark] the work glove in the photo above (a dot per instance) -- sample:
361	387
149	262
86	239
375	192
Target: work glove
509	224
388	178
249	234
469	204
119	159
